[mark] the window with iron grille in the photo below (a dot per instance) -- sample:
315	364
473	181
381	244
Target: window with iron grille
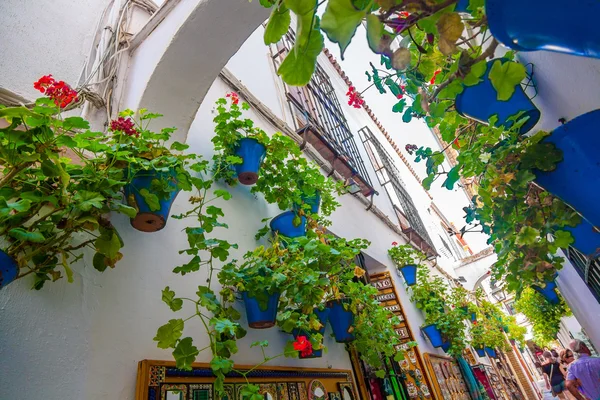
588	269
389	177
319	119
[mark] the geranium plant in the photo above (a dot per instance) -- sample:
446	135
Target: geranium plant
405	254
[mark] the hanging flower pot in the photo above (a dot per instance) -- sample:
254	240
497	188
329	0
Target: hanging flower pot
8	269
480	351
341	321
434	335
446	346
490	352
479	102
285	224
548	291
252	153
542	25
153	209
313	201
461	6
587	239
259	318
323	316
576	178
473	317
409	272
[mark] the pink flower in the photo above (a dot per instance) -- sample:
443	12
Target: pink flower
394	243
234	97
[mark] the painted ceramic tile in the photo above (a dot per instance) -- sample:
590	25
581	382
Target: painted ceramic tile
282	391
196	391
302	391
157	375
317	391
183	388
293	390
335	396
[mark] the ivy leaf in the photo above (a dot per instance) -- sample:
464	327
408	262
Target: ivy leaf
185	354
475	74
340	20
452	178
527	236
563	239
168	334
26	236
168	296
151	199
505	77
278	25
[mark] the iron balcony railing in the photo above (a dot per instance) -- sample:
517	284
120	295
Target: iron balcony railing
588	269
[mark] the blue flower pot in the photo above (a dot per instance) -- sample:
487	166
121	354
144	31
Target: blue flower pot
148	219
323	316
548	291
446	346
546	25
434	335
259	318
461	6
473	317
284	225
341	321
587	240
8	269
409	272
252	153
490	352
480	102
313	201
480	351
576	179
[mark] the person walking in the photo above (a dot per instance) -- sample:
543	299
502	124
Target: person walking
555	380
584	373
566	358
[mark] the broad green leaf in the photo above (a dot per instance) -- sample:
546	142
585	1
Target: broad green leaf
401	59
129	211
168	296
452	178
99	262
262	343
67	267
108	244
340	20
278	24
151	199
527	236
428	181
26	236
223	193
563	239
475	74
185	354
380	374
208	299
75	123
399	106
452	90
407	117
375	31
505	78
223	325
168	334
49	168
220	364
179	146
86	200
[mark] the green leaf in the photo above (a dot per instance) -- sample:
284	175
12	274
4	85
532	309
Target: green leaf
49	168
208	298
223	325
428	181
563	239
26	236
223	193
168	296
108	244
220	364
407	116
185	354
399	106
86	200
375	32
380	374
475	74
262	343
168	334
179	146
450	27
99	262
75	123
452	178
278	24
151	199
340	20
505	77
129	211
527	236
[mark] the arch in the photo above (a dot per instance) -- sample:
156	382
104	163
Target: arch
174	66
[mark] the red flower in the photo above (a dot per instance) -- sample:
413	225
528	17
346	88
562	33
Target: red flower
394	243
404	14
124	125
432	81
399	96
303	345
59	91
354	99
234	97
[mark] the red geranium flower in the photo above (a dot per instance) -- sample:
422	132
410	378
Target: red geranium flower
432	81
354	99
234	97
58	91
303	345
124	125
394	243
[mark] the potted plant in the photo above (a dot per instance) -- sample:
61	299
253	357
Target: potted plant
516	332
240	147
55	197
406	258
155	171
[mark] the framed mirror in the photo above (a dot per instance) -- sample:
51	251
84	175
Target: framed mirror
346	390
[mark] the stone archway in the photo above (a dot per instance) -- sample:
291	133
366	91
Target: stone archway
174	66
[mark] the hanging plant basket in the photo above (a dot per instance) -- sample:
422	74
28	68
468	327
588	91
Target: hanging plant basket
313	201
150	217
252	153
446	346
479	102
341	321
490	352
259	318
576	179
587	239
284	224
409	272
434	335
8	269
323	316
542	25
480	351
549	291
